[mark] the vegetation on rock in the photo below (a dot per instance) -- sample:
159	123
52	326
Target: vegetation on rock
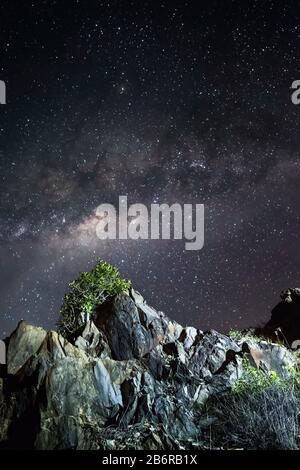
134	379
261	411
92	288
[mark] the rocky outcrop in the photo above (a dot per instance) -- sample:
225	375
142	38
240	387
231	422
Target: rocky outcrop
131	375
23	343
284	324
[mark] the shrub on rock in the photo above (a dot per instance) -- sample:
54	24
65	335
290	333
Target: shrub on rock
85	293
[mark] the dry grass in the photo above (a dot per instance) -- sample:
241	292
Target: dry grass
268	418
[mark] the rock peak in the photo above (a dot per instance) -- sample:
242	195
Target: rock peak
128	366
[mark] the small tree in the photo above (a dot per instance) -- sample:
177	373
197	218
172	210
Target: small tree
85	293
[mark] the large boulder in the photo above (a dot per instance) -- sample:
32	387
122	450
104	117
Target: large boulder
132	328
60	392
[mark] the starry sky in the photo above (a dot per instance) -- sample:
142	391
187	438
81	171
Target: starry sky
162	101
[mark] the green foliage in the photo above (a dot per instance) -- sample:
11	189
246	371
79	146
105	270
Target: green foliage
295	375
261	411
92	288
256	380
237	335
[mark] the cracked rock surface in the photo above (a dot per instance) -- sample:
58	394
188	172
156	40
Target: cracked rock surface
131	377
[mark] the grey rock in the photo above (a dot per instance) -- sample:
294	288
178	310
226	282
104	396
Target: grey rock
130	338
132	378
270	357
93	341
23	343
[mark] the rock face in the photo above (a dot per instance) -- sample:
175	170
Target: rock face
285	320
132	375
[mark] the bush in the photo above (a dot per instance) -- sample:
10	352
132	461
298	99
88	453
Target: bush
85	293
245	335
261	411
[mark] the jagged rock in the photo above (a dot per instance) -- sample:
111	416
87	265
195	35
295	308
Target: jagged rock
23	343
131	368
268	356
189	336
131	339
162	328
284	324
93	341
72	389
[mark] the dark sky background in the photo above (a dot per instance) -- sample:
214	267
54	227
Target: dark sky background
164	102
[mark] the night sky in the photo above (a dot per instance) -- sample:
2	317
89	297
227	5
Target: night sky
165	102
